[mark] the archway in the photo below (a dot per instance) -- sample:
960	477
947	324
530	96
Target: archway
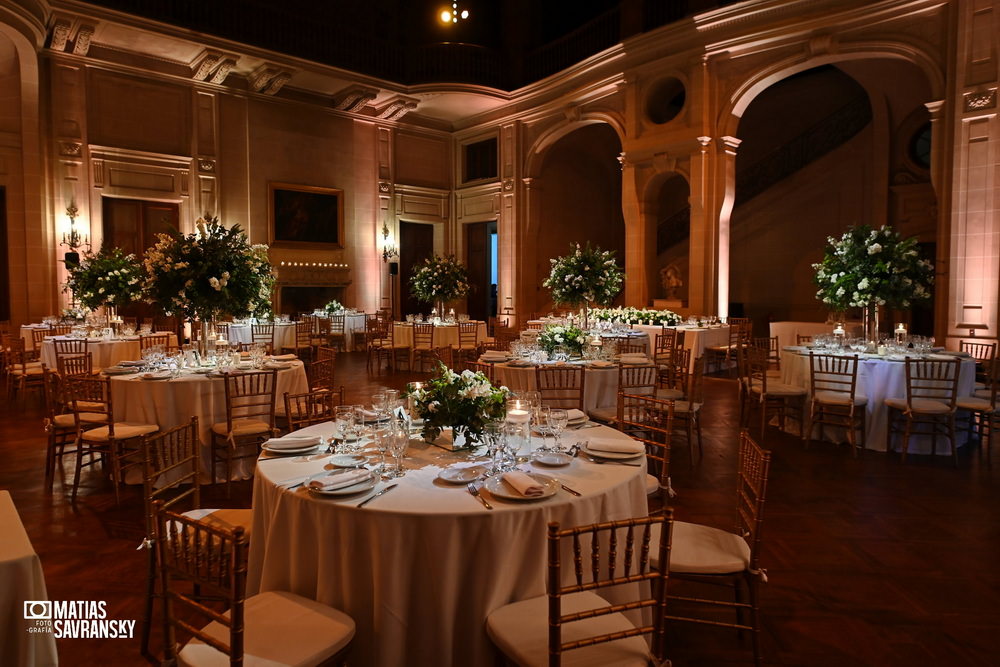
579	194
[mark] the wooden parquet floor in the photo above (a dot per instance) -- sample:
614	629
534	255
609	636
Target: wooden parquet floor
869	561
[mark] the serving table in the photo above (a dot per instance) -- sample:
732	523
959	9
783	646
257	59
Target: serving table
420	568
172	402
21	579
104	352
600	383
879	378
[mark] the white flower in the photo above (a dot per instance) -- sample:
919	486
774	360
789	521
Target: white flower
874	248
863	284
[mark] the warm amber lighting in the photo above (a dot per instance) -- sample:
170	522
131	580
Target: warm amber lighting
452	15
445	16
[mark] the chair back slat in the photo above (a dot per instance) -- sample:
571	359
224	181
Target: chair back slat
755	465
637	379
468	334
561	386
250	396
314	407
171	464
82	364
69	347
321	373
932	379
833	373
423	336
650	421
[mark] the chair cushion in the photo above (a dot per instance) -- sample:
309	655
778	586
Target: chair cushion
243	427
281	629
521	631
652	485
224	518
780	389
698	549
975	403
666	394
839	398
123	431
684	407
926	406
606	415
67	420
29	370
983	393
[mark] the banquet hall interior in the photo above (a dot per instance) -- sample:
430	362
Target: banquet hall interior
394	189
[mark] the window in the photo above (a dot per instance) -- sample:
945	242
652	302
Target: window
479	160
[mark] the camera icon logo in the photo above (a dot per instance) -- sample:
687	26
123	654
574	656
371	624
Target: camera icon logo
37	610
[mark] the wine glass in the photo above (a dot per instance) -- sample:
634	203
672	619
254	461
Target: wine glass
344	419
540	423
397	444
558	419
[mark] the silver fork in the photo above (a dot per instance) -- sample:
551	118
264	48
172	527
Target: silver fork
474	490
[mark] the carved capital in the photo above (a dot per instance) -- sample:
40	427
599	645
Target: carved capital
223	70
397	107
204	66
206	166
70	148
268	79
508	184
60	35
572	112
978	101
384	187
81	45
355	98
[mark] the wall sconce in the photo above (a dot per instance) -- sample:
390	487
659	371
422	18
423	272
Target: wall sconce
389	249
74	240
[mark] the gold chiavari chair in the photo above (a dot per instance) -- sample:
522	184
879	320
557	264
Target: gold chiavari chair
62	329
711	555
770	345
71	347
37	337
739	334
672	376
378	344
147	341
75	365
770	397
834	398
99	436
493	323
639	380
468	341
313	407
321	374
59	423
561	386
650	421
303	339
573	623
687	411
803	340
320	337
323	353
275	628
337	337
983	353
23	371
171	476
503	337
423	345
445	355
533	325
984	410
249	421
263	334
222	329
931	393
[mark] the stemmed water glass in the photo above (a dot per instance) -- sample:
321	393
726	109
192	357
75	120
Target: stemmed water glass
540	415
397	444
558	419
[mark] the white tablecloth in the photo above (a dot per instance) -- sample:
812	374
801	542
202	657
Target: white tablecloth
26	334
284	335
788	332
421	567
169	403
444	334
354	329
600	384
21	579
878	379
105	353
694	338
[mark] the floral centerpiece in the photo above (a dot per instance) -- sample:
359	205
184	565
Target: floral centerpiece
569	337
868	268
333	307
464	401
109	278
584	277
208	274
630	315
439	279
74	313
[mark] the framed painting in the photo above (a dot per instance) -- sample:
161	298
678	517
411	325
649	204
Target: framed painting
303	216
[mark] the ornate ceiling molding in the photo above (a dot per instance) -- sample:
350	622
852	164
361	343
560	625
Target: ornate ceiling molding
397	107
355	98
268	79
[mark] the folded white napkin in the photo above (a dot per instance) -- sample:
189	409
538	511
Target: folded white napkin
369	415
576	415
283	357
601	364
158	375
634	357
615	445
293	442
341	480
495	354
523	484
274	365
137	362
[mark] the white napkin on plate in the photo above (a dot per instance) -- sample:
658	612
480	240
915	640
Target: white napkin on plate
274	365
576	415
634	358
283	357
132	363
293	442
341	480
369	415
495	354
523	484
615	445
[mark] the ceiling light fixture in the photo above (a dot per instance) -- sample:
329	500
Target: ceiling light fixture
454	14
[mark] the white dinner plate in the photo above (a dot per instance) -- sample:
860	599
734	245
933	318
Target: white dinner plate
360	487
501	489
285	451
460	475
348	460
609	455
552	459
577	421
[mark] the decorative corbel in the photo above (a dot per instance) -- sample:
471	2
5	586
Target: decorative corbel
397	107
355	98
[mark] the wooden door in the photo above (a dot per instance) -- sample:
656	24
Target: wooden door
477	257
416	243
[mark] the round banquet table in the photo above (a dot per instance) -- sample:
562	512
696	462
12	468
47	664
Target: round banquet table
284	334
354	325
695	339
600	388
104	353
879	378
169	403
420	568
788	332
444	334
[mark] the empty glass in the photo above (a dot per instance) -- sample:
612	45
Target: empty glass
558	419
397	444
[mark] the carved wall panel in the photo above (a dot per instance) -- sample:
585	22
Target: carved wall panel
131	113
422	160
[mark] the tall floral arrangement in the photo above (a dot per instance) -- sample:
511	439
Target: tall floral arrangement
869	267
631	315
588	275
108	278
555	336
439	279
466	401
213	272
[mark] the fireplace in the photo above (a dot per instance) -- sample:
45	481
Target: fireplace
302	288
294	299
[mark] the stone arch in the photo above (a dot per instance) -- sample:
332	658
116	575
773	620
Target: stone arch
551	136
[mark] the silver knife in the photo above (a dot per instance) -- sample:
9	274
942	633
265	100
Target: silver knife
371	498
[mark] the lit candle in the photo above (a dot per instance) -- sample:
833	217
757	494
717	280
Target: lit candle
839	330
518	413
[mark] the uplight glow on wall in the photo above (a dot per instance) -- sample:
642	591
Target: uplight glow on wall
454	14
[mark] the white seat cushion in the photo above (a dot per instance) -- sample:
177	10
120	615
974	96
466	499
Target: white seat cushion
224	518
281	629
780	389
123	431
926	406
698	549
983	393
521	631
685	407
974	403
839	398
242	427
666	394
652	485
606	415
